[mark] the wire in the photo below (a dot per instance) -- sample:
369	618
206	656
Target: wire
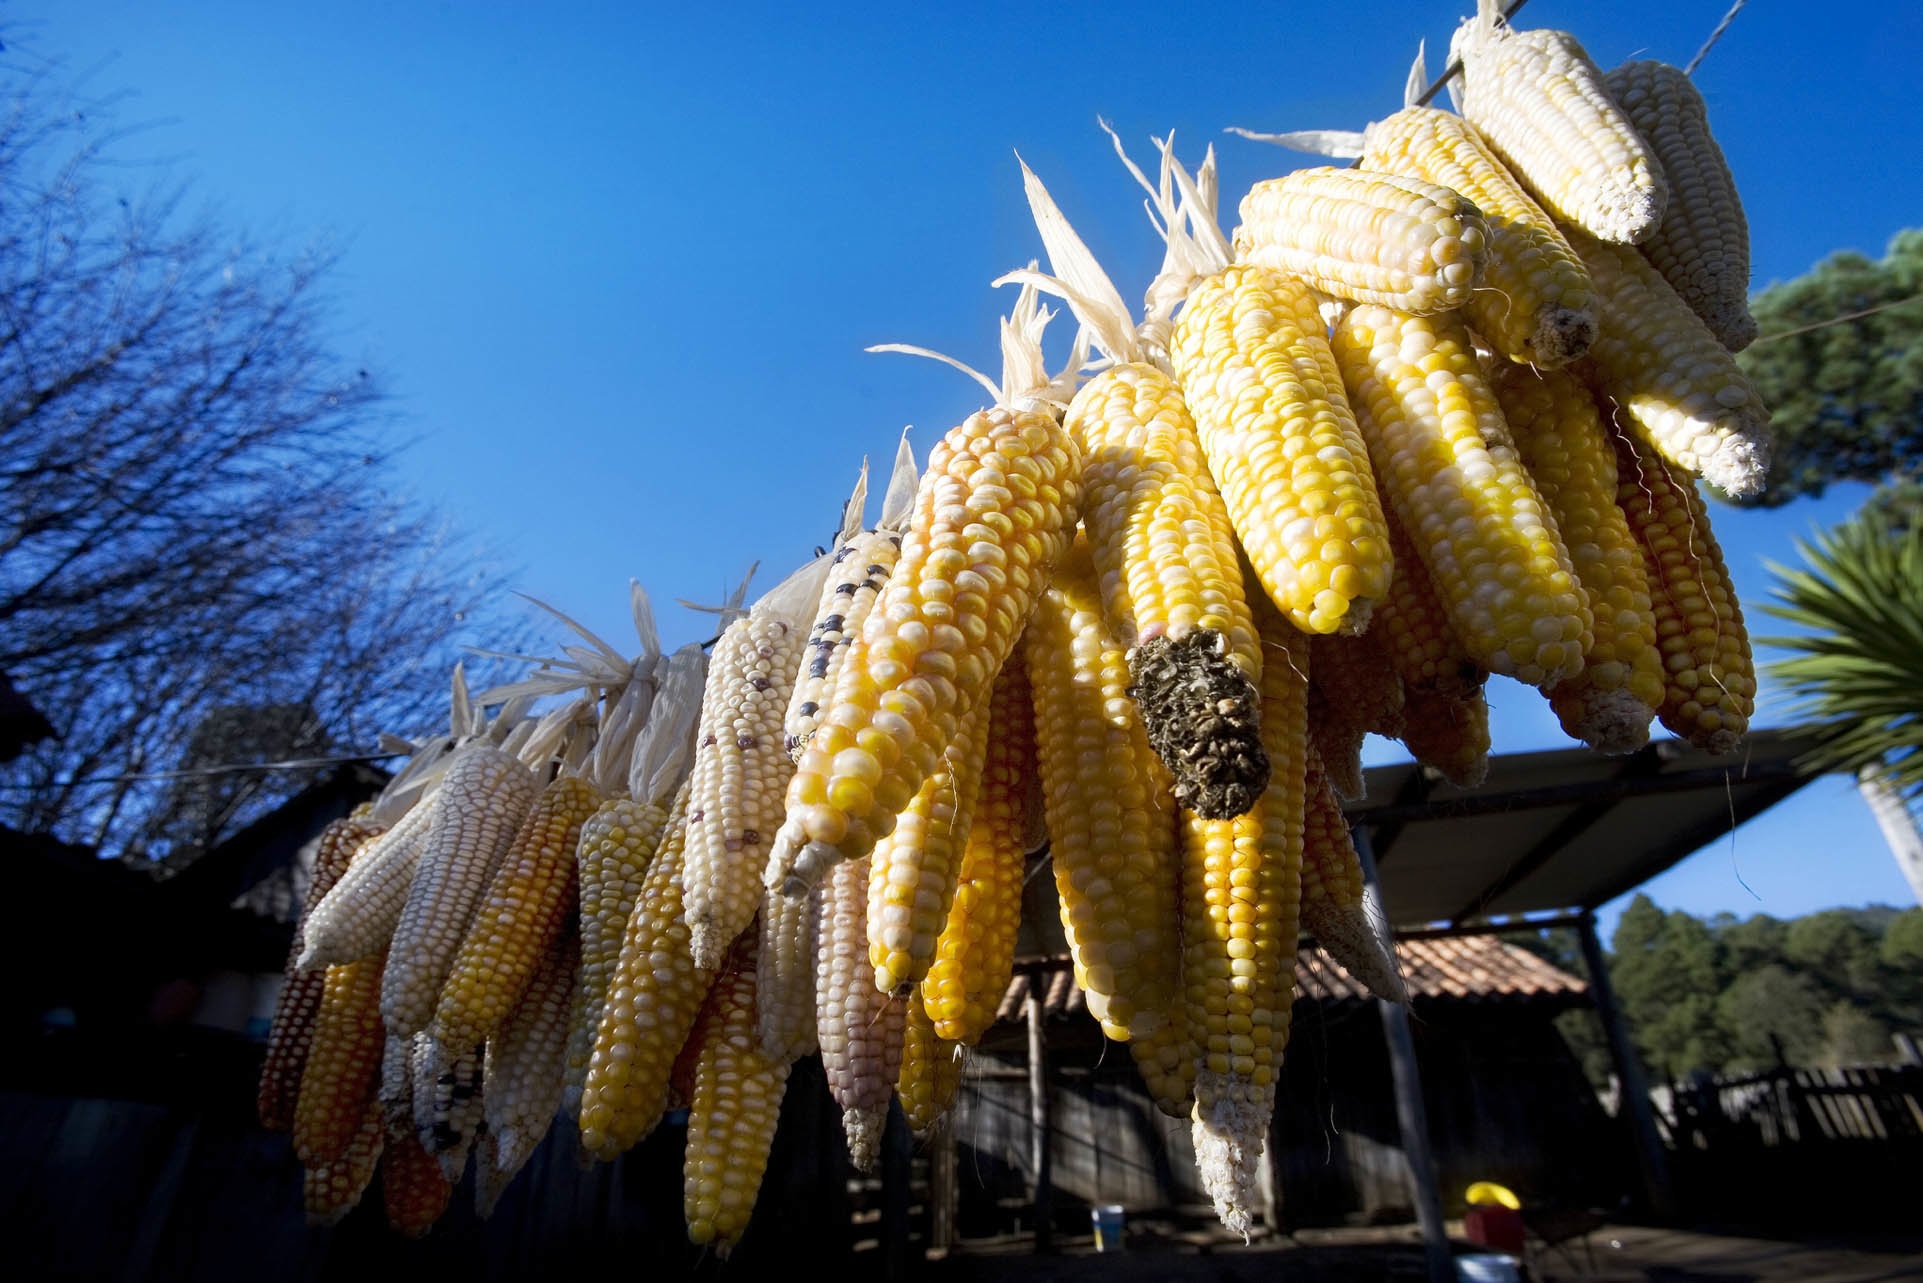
1714	36
236	768
1455	65
1834	320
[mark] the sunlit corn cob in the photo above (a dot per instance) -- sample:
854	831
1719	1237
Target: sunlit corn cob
1563	444
931	1069
1535	301
994	512
785	974
1167	1063
526	1060
414	1189
976	953
914	870
1171	583
1449	734
330	1190
1659	362
1415	630
483	798
449	1103
1281	441
1541	105
1111	821
1702	246
292	1031
1332	905
343	1062
356	917
1447	467
1241	898
733	1110
652	1001
520	917
1354	691
861	566
859	1026
741	772
1710	682
617	843
1366	236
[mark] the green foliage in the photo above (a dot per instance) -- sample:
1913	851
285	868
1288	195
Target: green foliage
1834	945
1852	1036
1845	398
1772	1015
1903	942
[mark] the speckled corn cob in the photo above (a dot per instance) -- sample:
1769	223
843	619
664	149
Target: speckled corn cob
1281	441
329	1191
1447	467
976	953
994	512
931	1070
458	1107
526	1060
1562	442
862	565
1449	734
1331	906
1702	245
785	976
356	918
343	1063
1366	236
859	1027
1355	691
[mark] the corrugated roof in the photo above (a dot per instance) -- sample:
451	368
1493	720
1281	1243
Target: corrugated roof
1462	969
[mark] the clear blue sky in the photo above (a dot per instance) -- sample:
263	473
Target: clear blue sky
617	262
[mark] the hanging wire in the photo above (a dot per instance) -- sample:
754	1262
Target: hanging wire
235	768
1835	320
1714	36
1455	65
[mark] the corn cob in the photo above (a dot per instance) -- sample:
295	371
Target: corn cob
1166	1063
343	1063
859	1026
1562	442
1702	246
652	1002
976	953
1710	682
1280	438
740	773
931	1069
1450	472
785	974
449	1103
483	798
1110	816
300	992
733	1110
356	918
1541	105
1241	898
414	1190
1366	236
1332	905
1449	734
397	1082
1662	365
332	1189
1421	642
526	1061
1354	691
519	918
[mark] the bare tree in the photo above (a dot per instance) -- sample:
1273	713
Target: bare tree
198	552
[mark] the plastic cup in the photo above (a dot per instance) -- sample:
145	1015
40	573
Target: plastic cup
1108	1226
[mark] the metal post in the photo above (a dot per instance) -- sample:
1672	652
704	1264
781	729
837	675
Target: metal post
1412	1116
1651	1160
1038	1116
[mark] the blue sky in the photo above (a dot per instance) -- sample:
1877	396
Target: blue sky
617	262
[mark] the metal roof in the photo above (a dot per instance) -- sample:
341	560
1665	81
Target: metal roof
1564	829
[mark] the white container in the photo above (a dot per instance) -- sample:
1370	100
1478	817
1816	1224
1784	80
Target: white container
1108	1219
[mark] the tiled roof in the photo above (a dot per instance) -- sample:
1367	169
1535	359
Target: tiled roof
1465	968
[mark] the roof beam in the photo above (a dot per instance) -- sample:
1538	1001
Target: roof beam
1613	787
1682	842
1414	793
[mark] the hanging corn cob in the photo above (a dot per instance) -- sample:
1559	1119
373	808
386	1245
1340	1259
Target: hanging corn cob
1354	691
931	1070
1415	630
332	1189
1449	734
858	1025
448	1103
415	1191
1332	905
343	1063
525	1064
356	917
1166	1062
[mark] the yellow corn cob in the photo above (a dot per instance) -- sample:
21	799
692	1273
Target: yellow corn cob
1416	633
617	843
1536	303
300	992
976	953
1702	246
861	566
343	1063
785	976
1355	691
914	870
483	798
859	1026
1447	467
1167	1063
1659	362
1331	906
1563	444
1541	105
1449	733
333	1189
414	1190
356	918
1367	236
741	770
1241	898
1111	823
1710	682
652	1002
733	1110
526	1061
1171	583
994	512
1258	374
519	918
931	1069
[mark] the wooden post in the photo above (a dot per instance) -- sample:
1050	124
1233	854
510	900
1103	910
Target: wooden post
943	1189
896	1171
1038	1116
1412	1116
1651	1160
